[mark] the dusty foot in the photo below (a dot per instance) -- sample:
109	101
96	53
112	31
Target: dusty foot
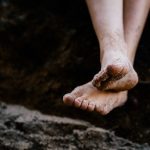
125	83
88	97
117	72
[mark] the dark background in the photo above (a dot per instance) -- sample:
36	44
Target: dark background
49	47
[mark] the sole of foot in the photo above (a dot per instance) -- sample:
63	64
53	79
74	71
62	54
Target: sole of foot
87	97
110	79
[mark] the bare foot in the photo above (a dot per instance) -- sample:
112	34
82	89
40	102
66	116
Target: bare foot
117	72
125	83
88	97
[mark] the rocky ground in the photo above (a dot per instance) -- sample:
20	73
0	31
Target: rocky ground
49	47
23	129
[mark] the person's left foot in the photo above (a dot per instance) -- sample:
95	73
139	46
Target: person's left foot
88	97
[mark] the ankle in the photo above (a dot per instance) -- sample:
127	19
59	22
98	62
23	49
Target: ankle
113	42
112	52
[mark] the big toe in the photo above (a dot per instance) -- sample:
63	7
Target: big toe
68	99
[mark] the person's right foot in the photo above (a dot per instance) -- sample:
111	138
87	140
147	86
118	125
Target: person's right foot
117	72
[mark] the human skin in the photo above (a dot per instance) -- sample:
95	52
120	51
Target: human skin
118	25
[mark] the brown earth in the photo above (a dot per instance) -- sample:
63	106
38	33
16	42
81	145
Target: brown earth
22	129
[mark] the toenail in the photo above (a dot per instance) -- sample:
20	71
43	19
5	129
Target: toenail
68	99
78	100
84	105
85	101
91	104
77	103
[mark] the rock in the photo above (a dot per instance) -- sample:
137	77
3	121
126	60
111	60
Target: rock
22	129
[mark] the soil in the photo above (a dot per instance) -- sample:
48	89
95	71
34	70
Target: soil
22	129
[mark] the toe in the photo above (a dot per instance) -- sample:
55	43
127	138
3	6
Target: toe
84	105
101	109
78	101
105	110
91	106
98	108
68	99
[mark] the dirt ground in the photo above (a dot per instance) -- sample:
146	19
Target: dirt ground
23	129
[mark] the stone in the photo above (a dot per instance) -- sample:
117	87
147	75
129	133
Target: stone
21	129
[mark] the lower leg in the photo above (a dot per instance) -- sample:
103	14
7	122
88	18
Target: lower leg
88	97
107	18
135	14
108	24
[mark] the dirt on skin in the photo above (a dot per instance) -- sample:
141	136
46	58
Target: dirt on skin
48	48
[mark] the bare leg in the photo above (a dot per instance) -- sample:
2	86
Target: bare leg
107	18
109	29
87	96
135	14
